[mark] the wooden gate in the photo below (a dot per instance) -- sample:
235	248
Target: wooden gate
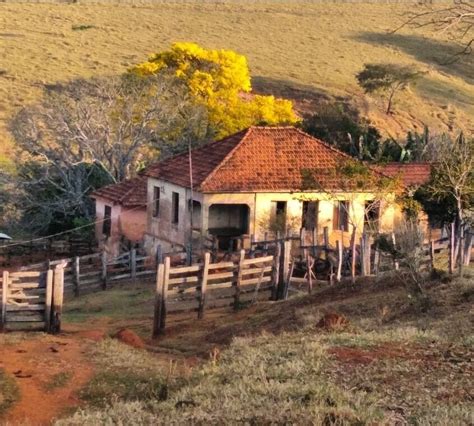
32	300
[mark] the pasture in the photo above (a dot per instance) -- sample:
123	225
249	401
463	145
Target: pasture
308	53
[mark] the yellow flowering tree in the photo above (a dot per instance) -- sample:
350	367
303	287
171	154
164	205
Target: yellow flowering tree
219	80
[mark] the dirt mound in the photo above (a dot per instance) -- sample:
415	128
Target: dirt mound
130	338
333	322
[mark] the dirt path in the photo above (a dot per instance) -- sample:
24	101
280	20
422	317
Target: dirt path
49	370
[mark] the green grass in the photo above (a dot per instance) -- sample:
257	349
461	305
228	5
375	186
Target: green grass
58	380
9	392
124	374
120	303
315	51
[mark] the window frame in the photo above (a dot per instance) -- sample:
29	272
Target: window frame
107	222
175	208
156	201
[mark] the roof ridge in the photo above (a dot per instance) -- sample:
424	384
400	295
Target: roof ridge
246	132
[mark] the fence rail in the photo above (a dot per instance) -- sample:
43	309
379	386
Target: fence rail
210	285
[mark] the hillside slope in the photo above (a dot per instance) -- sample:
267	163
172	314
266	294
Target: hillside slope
307	53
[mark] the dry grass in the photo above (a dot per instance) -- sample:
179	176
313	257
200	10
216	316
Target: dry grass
391	365
9	392
317	50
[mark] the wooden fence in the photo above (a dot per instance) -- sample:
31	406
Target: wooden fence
210	285
94	272
32	299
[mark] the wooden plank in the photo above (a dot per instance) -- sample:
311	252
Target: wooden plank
239	280
276	271
157	329
166	277
49	300
23	286
257	260
184	269
253	271
221	265
104	269
91	256
227	284
22	297
25	318
183	280
24	274
58	296
205	274
26	307
339	251
76	275
5	282
118	277
256	281
220	276
91	274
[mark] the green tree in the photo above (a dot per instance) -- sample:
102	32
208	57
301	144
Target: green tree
386	79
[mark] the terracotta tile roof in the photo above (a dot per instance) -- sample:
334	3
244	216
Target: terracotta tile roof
128	193
256	159
411	174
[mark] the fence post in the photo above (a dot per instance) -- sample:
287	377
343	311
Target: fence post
240	268
376	259
284	267
276	271
133	264
394	242
77	275
468	249
158	300
362	256
309	271
159	255
432	252
451	249
205	273
58	295
5	280
49	300
353	254
104	270
339	249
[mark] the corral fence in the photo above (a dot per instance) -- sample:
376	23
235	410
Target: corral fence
212	285
273	268
32	299
95	272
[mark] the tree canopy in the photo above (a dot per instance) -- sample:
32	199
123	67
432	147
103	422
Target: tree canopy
387	79
219	80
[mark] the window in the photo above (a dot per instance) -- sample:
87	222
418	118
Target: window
279	216
156	201
175	208
371	216
310	215
106	225
340	219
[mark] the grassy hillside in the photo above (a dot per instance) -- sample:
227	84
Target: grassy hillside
276	363
308	53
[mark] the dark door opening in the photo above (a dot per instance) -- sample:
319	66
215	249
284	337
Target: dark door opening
227	221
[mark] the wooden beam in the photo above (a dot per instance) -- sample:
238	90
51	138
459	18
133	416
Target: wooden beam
205	273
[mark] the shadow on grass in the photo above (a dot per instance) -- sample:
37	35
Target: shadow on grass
304	96
432	52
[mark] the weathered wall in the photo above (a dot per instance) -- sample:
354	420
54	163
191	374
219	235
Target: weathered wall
128	223
260	205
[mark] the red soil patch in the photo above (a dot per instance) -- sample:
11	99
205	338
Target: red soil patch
366	356
35	364
130	338
333	322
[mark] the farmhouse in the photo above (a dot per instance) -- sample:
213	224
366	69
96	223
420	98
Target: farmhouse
120	214
262	179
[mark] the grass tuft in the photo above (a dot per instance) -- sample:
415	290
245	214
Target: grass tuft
9	392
